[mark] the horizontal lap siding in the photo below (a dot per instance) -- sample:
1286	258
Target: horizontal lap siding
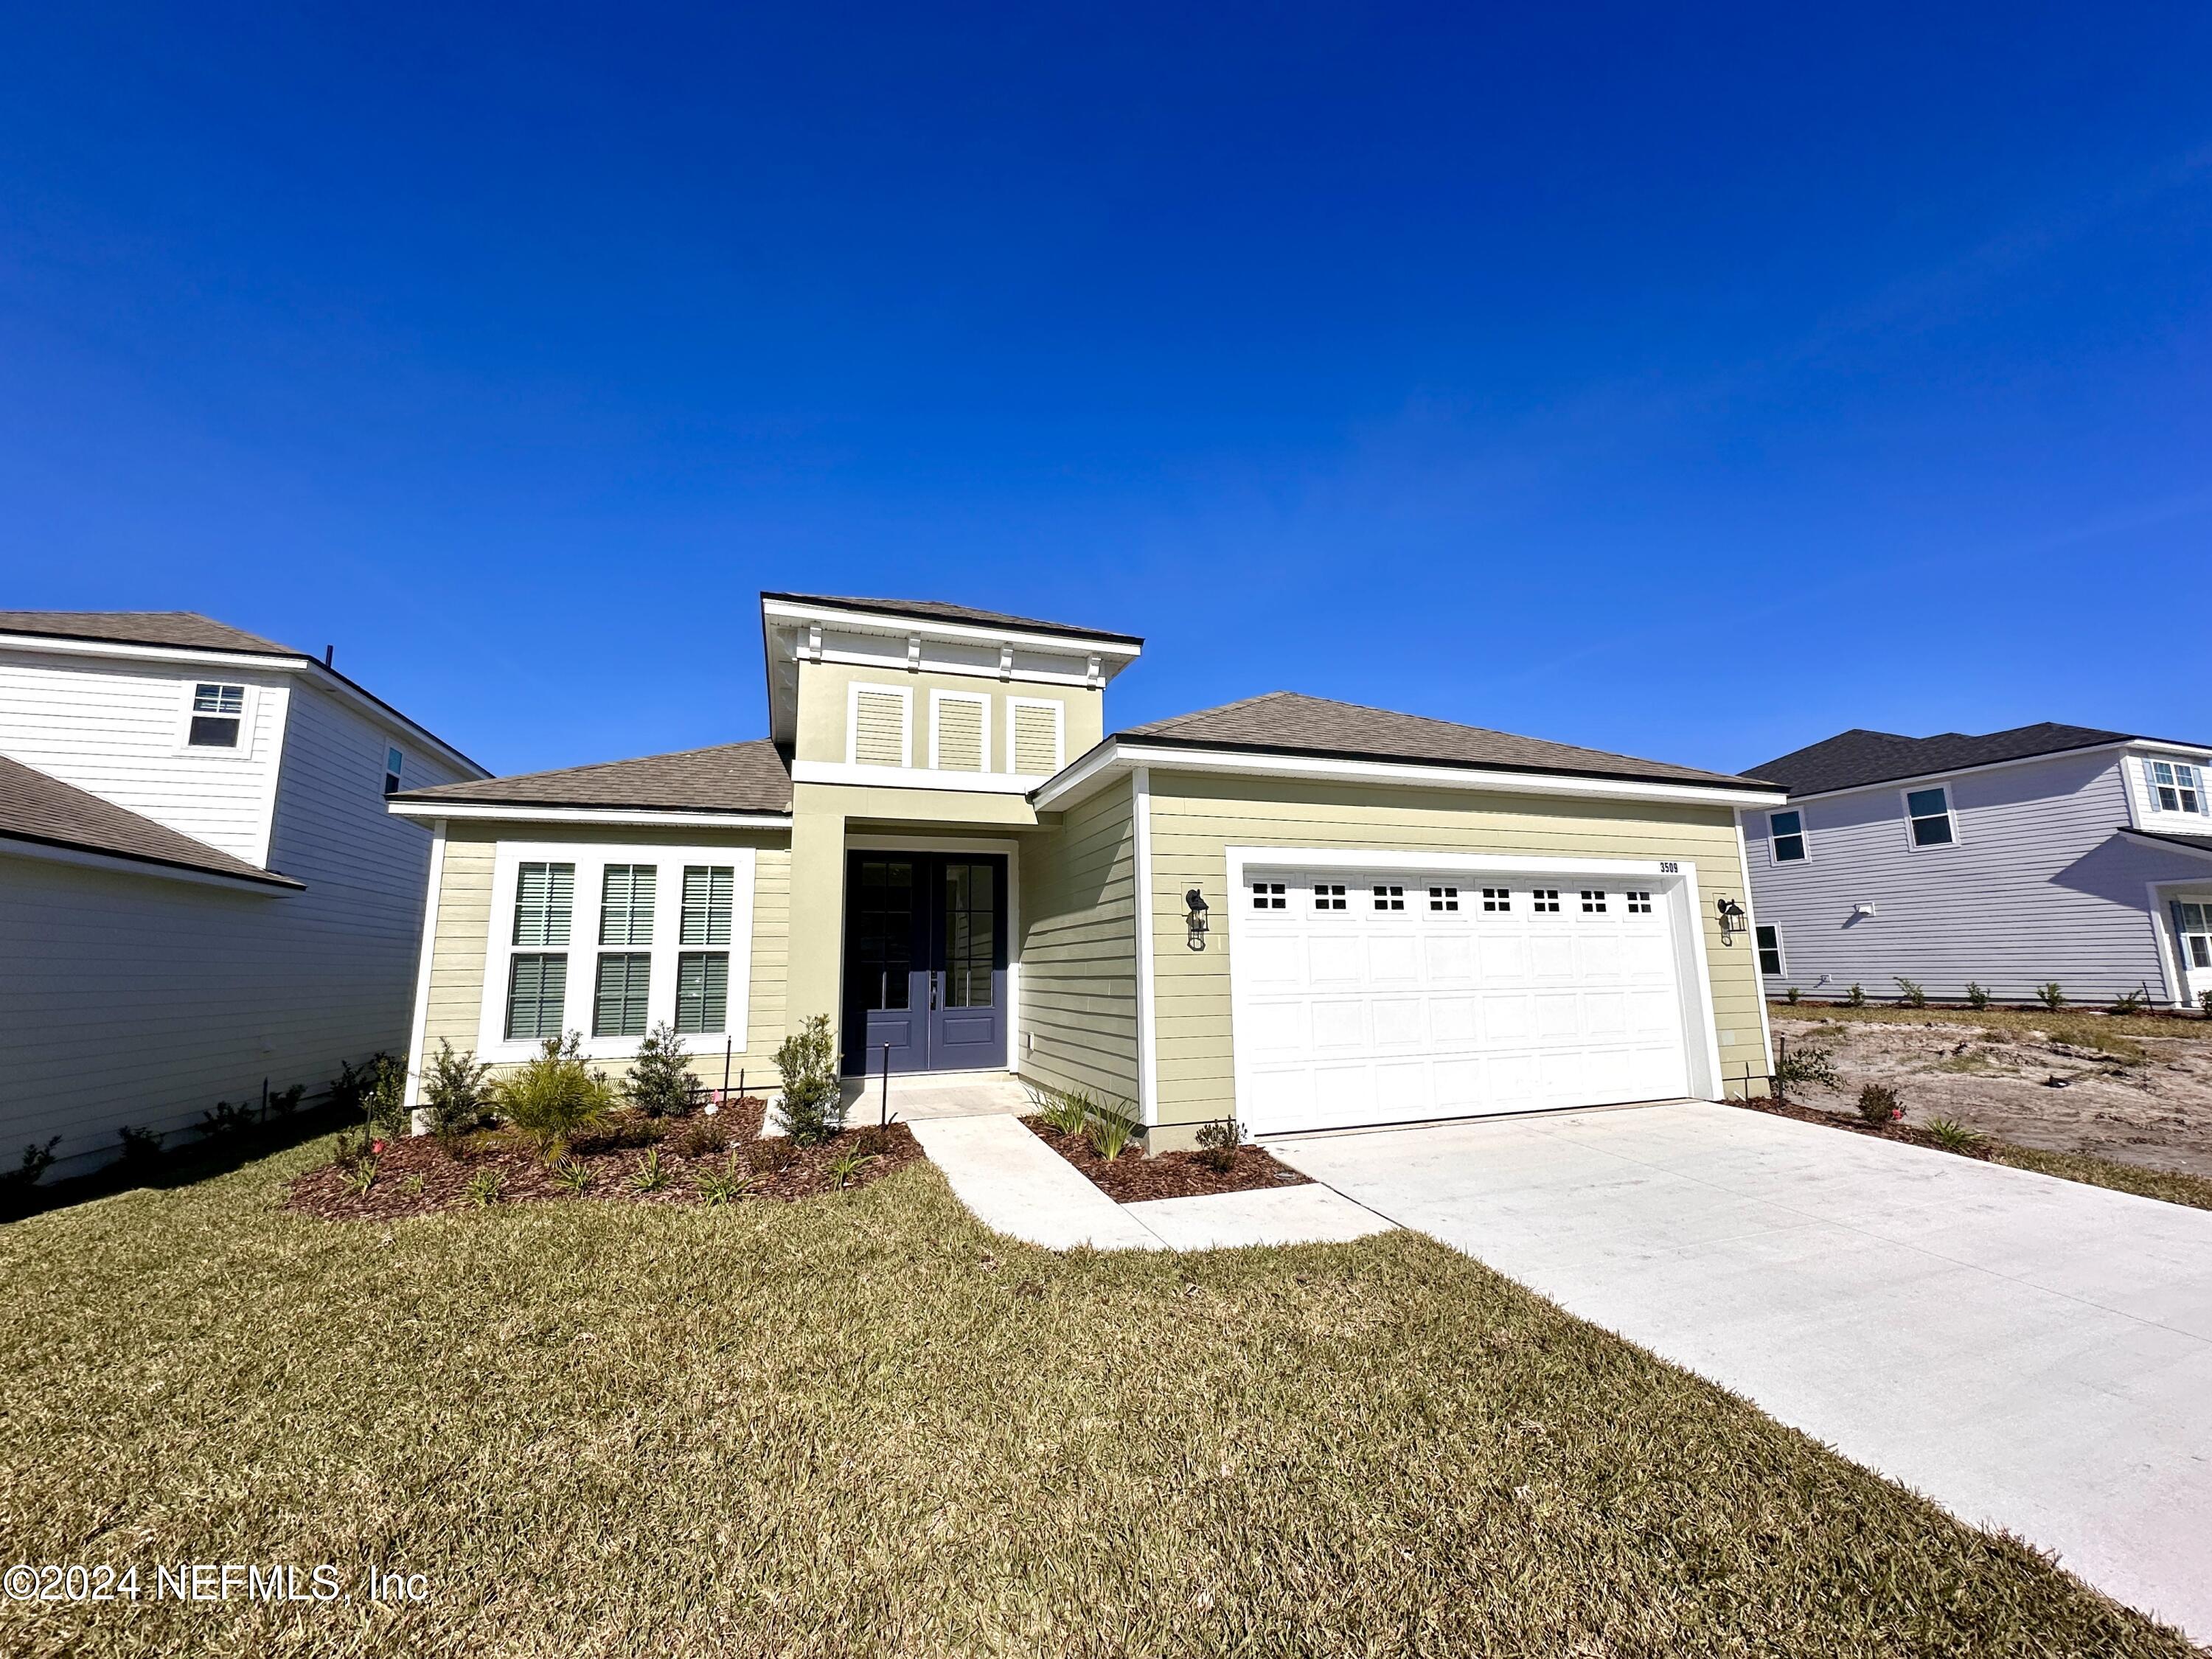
1079	950
1195	820
457	960
2039	886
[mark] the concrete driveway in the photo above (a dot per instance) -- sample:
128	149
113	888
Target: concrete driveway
2033	1354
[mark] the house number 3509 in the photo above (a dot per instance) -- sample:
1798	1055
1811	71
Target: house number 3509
1669	867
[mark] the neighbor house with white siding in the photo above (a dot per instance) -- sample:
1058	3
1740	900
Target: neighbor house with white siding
2012	859
199	885
1288	911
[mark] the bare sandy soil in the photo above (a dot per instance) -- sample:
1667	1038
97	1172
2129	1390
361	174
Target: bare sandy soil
2155	1111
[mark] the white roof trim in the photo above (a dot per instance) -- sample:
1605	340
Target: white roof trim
1442	774
965	632
2166	843
429	811
123	864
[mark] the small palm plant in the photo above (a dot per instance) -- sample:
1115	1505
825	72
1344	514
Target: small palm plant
649	1176
1912	994
1952	1135
484	1188
573	1176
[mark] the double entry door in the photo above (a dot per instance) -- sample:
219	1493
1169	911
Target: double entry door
925	961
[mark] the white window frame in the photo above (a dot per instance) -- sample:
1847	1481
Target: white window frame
1803	837
1781	951
2151	786
905	695
1059	734
936	701
584	949
1912	843
249	707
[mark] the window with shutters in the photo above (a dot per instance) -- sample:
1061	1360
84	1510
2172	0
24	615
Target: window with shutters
881	720
626	893
619	1007
959	731
674	950
1036	737
708	892
2176	787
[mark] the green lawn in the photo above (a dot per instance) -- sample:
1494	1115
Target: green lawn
862	1425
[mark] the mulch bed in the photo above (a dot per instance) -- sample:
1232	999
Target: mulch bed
417	1175
1904	1132
1131	1178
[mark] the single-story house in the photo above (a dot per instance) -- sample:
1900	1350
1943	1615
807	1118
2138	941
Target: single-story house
1296	913
2045	854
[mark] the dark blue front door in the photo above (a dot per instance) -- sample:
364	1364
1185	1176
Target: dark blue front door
925	961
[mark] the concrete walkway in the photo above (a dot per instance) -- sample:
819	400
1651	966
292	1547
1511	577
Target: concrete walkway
1018	1185
2033	1354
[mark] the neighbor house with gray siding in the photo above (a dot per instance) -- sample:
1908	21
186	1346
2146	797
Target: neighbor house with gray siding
199	885
2011	860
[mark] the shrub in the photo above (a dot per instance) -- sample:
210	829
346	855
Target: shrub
227	1121
849	1164
728	1184
140	1146
484	1188
1857	996
1878	1104
2131	1002
1912	994
1110	1132
813	1094
284	1102
873	1141
457	1093
1952	1135
1064	1110
37	1160
1978	996
1217	1142
702	1136
2204	1001
573	1177
2050	996
1804	1064
1789	996
661	1083
552	1096
377	1090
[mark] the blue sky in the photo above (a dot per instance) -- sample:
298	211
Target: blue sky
1695	386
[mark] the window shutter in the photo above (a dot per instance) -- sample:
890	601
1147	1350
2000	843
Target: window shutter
1037	740
879	728
959	734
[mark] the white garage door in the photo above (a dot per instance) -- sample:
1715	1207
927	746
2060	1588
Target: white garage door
1380	997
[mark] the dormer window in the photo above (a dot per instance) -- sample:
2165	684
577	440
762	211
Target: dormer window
218	716
2177	786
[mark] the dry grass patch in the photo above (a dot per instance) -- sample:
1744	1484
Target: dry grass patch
2173	1186
863	1426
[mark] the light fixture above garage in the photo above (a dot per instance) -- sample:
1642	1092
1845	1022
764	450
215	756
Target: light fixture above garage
1195	903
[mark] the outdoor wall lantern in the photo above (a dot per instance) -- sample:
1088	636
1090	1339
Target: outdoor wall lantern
1194	902
1732	919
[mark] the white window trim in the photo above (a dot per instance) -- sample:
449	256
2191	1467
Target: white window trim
936	701
1804	837
1781	950
1950	811
2150	785
249	713
905	695
1058	734
583	949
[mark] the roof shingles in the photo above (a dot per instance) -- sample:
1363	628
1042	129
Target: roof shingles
41	809
1290	722
184	629
1853	759
730	777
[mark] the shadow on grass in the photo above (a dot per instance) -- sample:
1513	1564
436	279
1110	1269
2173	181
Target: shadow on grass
199	1160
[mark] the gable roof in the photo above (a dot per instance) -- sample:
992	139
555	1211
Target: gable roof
41	809
1851	759
730	777
1291	723
184	629
939	611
